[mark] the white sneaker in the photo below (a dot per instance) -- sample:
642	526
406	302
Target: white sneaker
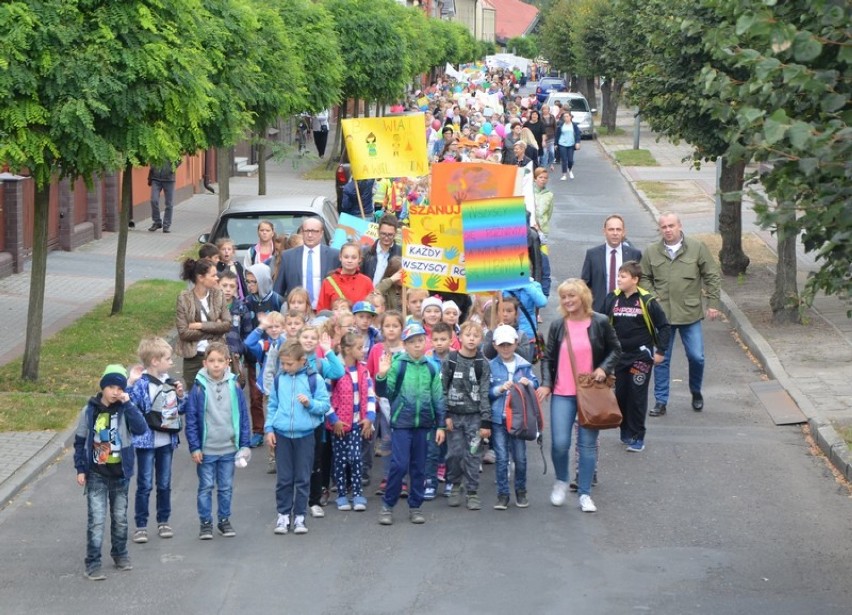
571	174
557	496
317	511
283	524
587	505
563	178
299	525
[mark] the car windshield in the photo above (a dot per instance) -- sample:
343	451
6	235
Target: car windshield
242	228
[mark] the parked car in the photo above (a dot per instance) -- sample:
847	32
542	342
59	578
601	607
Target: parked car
242	214
579	107
548	85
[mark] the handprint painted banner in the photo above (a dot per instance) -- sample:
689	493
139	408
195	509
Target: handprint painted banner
462	181
432	249
495	244
393	146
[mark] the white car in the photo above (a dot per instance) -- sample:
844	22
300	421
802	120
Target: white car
579	107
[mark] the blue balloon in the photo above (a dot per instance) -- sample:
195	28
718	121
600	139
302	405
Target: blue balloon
486	129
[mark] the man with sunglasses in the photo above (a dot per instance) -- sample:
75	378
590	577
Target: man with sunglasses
307	265
375	258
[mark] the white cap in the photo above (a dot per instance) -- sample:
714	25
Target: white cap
430	302
505	334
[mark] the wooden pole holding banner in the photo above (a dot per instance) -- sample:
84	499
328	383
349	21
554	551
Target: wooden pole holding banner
494	305
358	194
404	298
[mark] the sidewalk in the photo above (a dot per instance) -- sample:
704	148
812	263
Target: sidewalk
76	281
810	361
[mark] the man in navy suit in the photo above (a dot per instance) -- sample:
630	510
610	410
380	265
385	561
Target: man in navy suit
600	268
307	265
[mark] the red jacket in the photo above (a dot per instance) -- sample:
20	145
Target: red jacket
355	287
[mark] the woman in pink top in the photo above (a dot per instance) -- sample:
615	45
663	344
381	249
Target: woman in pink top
596	350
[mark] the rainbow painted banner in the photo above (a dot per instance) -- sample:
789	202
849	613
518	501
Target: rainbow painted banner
495	244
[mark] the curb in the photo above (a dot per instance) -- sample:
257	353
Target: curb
35	465
826	437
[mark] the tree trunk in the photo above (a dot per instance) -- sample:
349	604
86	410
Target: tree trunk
731	257
121	249
223	173
38	273
261	165
609	113
587	89
606	103
337	146
785	300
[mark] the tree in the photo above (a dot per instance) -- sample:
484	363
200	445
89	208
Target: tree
555	35
672	101
524	46
785	70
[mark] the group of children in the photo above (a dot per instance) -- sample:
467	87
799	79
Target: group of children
418	388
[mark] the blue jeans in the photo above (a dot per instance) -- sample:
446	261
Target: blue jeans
693	343
563	414
547	155
408	455
545	272
168	190
150	460
505	445
218	469
435	456
566	157
294	461
100	493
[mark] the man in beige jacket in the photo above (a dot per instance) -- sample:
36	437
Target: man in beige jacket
681	273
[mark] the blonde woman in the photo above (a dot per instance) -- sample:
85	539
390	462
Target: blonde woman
596	349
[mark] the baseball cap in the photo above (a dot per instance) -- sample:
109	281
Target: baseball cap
505	334
412	330
364	306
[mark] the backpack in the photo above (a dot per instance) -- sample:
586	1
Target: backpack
523	413
163	415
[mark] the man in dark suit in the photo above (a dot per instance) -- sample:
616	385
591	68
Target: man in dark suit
375	258
600	268
307	265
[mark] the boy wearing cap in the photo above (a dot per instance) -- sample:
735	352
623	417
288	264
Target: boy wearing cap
507	367
103	457
365	313
413	387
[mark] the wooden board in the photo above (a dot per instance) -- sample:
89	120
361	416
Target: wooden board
778	403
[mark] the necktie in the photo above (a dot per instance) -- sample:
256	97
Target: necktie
611	271
309	276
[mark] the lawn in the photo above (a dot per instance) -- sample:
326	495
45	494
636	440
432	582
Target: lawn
73	360
320	171
635	158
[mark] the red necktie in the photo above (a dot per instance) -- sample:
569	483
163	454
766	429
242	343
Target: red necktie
611	271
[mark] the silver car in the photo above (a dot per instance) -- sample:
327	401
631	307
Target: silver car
242	214
580	110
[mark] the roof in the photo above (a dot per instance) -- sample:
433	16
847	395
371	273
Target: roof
513	18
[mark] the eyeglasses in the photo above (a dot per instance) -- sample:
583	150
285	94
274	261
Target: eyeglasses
311	230
387	234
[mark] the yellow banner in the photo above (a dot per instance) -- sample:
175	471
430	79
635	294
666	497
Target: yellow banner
432	249
386	146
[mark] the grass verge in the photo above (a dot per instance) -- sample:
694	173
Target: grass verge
606	132
319	171
846	434
635	158
73	360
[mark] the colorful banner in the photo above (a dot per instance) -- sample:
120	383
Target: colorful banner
454	182
353	228
393	146
432	249
495	244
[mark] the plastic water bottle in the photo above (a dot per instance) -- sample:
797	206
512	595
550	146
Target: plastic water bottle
474	444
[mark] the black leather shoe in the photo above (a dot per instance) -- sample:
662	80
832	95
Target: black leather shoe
697	402
165	230
155	227
658	410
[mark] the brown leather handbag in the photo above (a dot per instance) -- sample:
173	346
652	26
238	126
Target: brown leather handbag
597	407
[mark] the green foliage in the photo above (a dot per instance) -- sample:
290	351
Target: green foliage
524	46
555	36
780	81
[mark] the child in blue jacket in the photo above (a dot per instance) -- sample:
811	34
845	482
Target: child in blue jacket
298	401
507	367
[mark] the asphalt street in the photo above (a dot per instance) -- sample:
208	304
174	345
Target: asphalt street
723	513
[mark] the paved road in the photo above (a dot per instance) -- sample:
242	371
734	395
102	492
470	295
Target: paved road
724	513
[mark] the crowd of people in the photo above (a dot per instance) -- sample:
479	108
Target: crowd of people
320	358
